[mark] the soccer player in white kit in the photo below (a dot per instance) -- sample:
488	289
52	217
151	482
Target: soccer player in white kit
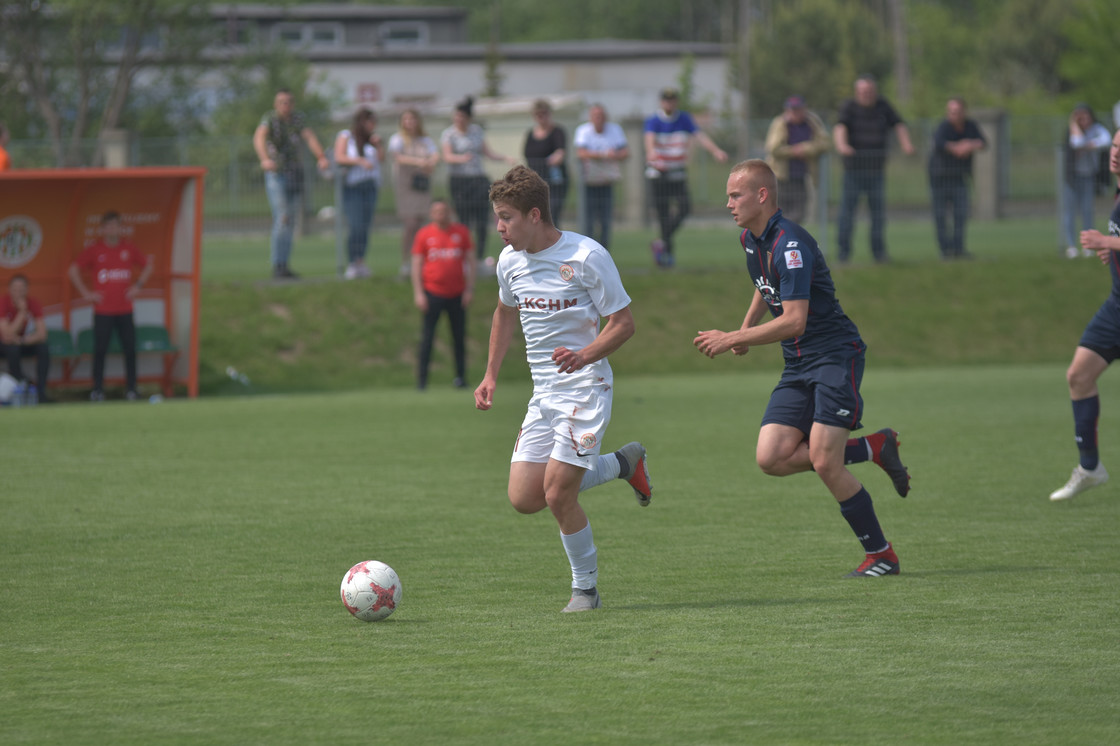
560	284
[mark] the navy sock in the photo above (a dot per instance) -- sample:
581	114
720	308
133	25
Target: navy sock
1086	412
860	515
855	452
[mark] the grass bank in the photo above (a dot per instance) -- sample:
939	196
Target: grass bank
1017	302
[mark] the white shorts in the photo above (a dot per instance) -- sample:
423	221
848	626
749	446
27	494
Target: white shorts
568	426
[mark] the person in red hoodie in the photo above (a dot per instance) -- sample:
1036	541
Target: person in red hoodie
442	281
118	270
23	332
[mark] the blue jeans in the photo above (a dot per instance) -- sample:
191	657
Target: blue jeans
857	182
598	208
1078	202
358	202
950	198
284	194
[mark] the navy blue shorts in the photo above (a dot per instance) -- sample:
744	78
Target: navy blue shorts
1102	335
823	389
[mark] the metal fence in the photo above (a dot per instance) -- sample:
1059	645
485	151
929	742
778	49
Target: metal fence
1029	172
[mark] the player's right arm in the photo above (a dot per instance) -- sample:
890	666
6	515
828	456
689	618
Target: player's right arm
501	334
260	144
1094	240
75	273
754	315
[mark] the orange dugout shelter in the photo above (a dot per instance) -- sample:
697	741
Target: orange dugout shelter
48	216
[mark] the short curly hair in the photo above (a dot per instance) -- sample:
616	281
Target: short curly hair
522	188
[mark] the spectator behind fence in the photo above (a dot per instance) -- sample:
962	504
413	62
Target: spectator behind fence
861	136
415	156
601	146
276	141
794	144
23	332
5	159
112	262
1087	139
442	281
359	151
950	168
668	136
546	152
464	146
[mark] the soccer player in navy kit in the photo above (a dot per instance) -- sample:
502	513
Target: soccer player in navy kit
1099	346
817	402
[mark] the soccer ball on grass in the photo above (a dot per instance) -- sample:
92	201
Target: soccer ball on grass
370	590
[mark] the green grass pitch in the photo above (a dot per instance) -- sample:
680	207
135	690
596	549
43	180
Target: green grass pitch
170	575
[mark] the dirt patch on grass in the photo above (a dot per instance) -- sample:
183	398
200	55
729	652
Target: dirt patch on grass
280	311
292	354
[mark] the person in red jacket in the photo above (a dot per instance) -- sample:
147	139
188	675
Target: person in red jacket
23	332
118	271
442	281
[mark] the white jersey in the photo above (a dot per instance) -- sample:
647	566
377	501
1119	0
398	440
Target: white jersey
561	294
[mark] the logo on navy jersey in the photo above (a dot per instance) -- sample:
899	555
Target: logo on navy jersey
794	259
769	294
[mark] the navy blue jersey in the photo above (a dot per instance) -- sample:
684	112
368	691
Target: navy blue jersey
1114	256
786	264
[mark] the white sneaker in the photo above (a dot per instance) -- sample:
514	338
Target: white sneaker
583	600
1071	252
1088	253
351	272
1081	480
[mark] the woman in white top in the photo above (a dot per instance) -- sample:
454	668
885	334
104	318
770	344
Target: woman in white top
1087	139
415	156
359	150
464	146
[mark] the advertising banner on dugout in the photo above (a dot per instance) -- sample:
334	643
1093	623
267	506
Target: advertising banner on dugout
48	217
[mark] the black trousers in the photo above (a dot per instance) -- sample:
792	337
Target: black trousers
103	327
457	316
672	204
14	354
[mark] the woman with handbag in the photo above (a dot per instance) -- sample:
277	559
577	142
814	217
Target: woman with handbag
359	150
415	156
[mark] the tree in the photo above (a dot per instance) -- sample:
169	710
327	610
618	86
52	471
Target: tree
76	61
251	82
815	48
1093	33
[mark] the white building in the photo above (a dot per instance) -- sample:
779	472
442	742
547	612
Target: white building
391	57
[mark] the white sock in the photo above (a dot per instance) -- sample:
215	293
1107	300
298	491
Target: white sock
583	557
605	469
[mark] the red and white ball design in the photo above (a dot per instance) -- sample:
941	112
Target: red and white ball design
371	590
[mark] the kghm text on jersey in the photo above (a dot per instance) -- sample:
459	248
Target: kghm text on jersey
546	304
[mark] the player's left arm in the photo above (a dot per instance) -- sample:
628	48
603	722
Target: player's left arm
40	333
316	149
709	145
618	329
145	273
